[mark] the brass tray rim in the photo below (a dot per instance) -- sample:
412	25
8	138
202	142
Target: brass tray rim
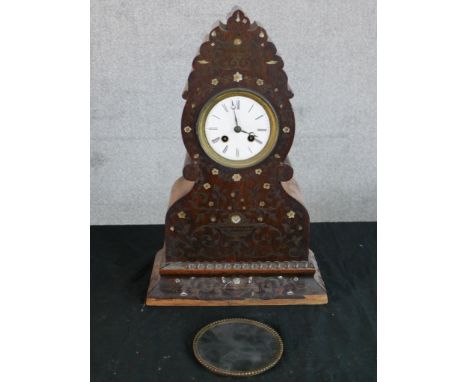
224	372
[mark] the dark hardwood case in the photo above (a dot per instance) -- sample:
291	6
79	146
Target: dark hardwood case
236	222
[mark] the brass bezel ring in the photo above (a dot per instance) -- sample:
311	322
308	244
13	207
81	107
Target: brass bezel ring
231	373
263	154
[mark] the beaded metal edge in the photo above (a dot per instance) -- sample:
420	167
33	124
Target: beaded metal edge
219	371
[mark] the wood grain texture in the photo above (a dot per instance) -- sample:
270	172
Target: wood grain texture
239	290
233	215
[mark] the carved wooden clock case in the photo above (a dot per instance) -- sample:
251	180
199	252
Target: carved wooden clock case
237	231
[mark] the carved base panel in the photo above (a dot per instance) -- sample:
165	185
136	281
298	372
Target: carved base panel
232	289
185	268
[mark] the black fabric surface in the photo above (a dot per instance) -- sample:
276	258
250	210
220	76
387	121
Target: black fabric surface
133	342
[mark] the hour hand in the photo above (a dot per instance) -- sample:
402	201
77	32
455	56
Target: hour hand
252	134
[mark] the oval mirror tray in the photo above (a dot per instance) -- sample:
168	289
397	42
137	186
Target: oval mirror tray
237	347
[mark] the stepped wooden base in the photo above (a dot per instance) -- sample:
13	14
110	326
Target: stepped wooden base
235	290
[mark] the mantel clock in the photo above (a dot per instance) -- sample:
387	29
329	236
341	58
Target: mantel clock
236	230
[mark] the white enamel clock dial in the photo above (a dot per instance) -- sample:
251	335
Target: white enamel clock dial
238	129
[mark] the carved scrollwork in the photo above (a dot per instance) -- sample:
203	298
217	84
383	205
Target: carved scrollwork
232	288
270	225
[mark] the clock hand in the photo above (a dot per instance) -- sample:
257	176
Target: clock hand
248	133
235	117
237	128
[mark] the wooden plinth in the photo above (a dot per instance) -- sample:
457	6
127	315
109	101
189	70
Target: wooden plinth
235	290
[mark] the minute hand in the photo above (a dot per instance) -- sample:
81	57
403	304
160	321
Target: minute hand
235	118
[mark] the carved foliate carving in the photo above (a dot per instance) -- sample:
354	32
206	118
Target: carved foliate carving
234	215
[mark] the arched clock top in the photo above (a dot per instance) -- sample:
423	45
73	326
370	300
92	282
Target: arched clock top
239	56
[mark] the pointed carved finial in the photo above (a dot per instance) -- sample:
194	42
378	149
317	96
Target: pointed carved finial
234	51
237	20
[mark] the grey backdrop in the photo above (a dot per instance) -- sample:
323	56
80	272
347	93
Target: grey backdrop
141	55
